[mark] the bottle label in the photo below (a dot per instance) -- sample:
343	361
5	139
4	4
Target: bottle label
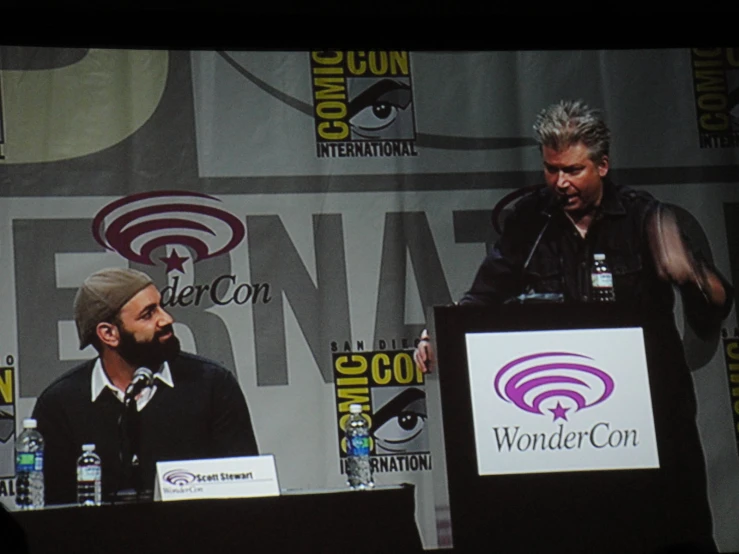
39	461
358	446
88	473
602	280
25	461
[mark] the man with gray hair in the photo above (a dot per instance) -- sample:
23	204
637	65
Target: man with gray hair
546	253
141	400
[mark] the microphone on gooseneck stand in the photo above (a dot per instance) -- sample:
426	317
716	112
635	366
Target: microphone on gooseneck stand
529	294
128	435
143	377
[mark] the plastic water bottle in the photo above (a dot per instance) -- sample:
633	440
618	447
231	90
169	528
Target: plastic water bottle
29	467
602	280
358	467
89	477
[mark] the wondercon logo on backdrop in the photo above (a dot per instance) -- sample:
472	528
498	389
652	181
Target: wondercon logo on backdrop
560	383
136	225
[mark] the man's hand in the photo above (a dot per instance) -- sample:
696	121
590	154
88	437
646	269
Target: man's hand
424	353
674	261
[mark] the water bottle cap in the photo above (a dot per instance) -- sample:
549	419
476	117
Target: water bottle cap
29	423
88	447
355	408
599	256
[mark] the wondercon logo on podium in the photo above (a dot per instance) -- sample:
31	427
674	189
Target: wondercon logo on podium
553	382
134	226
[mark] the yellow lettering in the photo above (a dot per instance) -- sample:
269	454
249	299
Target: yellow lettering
707	63
328	70
732	349
707	52
331	110
714	122
348	381
351	365
712	102
399	62
331	88
375	67
404	368
6	386
354	67
711	81
381	362
352	396
324	130
334	59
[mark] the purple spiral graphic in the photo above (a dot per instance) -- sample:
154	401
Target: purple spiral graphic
530	380
179	477
125	220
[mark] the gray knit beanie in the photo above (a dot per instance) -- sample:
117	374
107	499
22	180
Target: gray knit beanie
102	295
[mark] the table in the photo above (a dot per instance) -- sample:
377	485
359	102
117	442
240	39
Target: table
379	520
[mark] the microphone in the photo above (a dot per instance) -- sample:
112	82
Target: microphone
529	294
536	242
142	378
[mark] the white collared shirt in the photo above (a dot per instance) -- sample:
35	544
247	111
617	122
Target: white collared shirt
100	382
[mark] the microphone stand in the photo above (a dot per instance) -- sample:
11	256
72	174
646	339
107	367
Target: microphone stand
529	295
129	435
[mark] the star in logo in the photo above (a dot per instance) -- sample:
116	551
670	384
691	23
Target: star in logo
174	261
560	412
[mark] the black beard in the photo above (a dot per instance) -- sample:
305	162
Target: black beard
151	354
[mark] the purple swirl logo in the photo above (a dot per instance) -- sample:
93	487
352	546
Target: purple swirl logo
134	226
535	382
179	477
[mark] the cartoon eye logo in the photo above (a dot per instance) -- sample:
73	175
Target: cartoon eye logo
7	426
375	109
400	421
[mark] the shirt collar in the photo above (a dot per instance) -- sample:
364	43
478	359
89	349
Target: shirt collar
100	380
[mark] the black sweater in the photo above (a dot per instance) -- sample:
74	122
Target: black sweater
204	416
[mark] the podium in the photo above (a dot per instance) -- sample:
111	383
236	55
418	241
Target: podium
554	440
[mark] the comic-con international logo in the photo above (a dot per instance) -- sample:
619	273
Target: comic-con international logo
191	227
392	393
7	428
716	87
363	103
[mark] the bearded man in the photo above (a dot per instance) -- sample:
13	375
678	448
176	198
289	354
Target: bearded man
141	400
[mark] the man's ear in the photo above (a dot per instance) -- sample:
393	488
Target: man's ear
108	334
603	167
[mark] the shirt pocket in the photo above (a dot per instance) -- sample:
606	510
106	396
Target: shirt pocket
627	275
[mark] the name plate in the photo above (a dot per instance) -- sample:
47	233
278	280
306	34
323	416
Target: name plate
238	477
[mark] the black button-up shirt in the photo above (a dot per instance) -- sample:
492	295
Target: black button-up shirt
542	252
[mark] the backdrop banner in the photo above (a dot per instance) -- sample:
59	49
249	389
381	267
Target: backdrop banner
302	211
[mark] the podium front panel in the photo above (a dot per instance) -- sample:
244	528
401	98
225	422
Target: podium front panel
568	429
